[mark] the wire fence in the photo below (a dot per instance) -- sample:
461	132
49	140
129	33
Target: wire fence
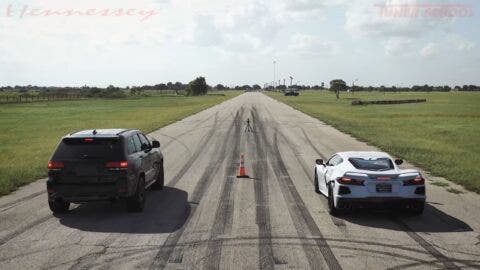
36	98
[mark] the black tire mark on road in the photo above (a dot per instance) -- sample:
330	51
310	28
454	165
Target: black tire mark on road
224	213
14	234
313	145
199	123
164	254
302	209
301	217
336	221
447	262
205	141
14	203
266	255
195	127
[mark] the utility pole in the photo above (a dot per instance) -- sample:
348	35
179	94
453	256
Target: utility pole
283	81
353	85
274	73
291	81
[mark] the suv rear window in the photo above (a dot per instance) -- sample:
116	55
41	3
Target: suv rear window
87	148
379	164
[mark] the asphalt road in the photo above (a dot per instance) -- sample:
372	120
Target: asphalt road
208	219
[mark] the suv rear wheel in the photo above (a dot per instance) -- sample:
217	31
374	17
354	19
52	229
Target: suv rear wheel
160	182
136	202
59	206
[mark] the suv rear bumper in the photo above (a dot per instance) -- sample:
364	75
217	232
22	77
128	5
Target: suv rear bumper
85	192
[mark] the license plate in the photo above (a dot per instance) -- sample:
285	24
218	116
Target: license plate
86	170
384	188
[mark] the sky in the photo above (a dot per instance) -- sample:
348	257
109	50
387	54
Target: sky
145	42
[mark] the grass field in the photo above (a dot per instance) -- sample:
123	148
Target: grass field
441	136
30	132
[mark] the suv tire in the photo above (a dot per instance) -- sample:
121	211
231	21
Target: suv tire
59	206
136	202
160	181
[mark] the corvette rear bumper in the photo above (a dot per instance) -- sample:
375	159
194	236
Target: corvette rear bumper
377	202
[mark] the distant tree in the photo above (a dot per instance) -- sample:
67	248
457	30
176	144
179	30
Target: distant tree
337	86
197	87
219	87
257	87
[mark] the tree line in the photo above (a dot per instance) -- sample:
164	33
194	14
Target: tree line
340	85
196	87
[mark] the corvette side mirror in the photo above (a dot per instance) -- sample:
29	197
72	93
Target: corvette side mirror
398	161
319	161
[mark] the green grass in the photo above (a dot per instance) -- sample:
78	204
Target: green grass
441	136
30	131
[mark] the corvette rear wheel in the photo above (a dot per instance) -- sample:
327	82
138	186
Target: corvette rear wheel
416	209
317	188
332	209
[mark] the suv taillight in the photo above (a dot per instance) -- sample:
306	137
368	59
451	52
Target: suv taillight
414	182
117	165
350	181
55	165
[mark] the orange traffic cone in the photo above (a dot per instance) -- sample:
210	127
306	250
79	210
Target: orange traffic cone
242	173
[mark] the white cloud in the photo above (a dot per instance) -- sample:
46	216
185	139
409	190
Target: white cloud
398	46
460	43
312	45
364	18
431	49
217	33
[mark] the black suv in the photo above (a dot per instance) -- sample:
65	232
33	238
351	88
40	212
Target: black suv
107	164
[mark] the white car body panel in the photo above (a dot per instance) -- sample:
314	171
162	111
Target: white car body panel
328	175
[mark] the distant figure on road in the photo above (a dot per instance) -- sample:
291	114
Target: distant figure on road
249	127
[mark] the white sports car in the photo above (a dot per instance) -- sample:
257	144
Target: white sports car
361	179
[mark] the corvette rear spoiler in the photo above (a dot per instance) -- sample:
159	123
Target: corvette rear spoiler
383	176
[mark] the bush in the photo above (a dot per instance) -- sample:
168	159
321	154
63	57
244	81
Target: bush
197	87
109	92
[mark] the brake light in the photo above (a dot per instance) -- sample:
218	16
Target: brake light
383	178
350	181
55	165
88	139
415	181
117	165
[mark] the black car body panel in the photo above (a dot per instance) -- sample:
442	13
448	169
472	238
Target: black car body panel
104	164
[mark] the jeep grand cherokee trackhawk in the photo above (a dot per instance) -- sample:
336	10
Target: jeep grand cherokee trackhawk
104	164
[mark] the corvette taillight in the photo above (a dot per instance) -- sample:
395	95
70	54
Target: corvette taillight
414	182
349	181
